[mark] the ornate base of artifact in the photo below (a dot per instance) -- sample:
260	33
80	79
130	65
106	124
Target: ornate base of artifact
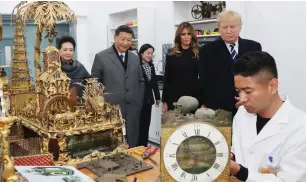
8	173
32	141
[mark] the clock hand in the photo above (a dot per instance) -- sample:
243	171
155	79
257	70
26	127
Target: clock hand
195	160
194	168
187	147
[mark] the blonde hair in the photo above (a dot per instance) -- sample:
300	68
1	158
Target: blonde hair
228	16
194	45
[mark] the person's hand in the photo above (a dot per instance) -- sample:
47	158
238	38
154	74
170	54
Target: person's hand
158	102
239	102
234	167
164	108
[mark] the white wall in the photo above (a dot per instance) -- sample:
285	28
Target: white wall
281	29
79	7
97	30
239	7
6	7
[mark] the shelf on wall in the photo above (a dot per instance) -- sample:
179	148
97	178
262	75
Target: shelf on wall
134	26
137	19
195	22
123	11
213	35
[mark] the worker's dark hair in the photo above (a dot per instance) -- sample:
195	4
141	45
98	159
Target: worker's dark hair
252	63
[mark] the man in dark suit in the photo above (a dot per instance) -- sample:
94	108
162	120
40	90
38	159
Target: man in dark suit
119	70
216	63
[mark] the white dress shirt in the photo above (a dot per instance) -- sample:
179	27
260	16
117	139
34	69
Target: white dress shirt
123	55
236	47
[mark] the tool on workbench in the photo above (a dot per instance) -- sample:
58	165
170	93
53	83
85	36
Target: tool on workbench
139	150
149	152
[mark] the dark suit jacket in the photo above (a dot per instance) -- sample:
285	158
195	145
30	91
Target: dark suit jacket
216	73
150	86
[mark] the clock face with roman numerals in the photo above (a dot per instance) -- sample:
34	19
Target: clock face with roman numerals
196	152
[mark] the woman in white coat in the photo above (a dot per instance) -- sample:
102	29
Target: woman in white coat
269	134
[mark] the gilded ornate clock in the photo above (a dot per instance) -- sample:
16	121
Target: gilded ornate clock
195	149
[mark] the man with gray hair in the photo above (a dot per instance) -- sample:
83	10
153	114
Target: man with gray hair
216	63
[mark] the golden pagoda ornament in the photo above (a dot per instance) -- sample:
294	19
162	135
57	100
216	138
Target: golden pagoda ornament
21	80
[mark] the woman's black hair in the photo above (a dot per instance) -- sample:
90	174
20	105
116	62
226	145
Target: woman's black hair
143	49
65	39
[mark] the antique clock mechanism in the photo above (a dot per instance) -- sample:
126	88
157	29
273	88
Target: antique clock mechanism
195	147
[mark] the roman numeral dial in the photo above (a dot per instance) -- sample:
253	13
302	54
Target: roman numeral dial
192	146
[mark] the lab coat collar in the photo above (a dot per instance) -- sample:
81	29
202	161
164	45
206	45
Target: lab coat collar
283	113
276	123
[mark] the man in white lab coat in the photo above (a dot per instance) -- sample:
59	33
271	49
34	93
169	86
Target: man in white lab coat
269	133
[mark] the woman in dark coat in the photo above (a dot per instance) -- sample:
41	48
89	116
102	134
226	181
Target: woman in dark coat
151	86
73	68
181	68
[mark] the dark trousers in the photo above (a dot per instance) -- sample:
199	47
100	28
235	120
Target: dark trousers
144	124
